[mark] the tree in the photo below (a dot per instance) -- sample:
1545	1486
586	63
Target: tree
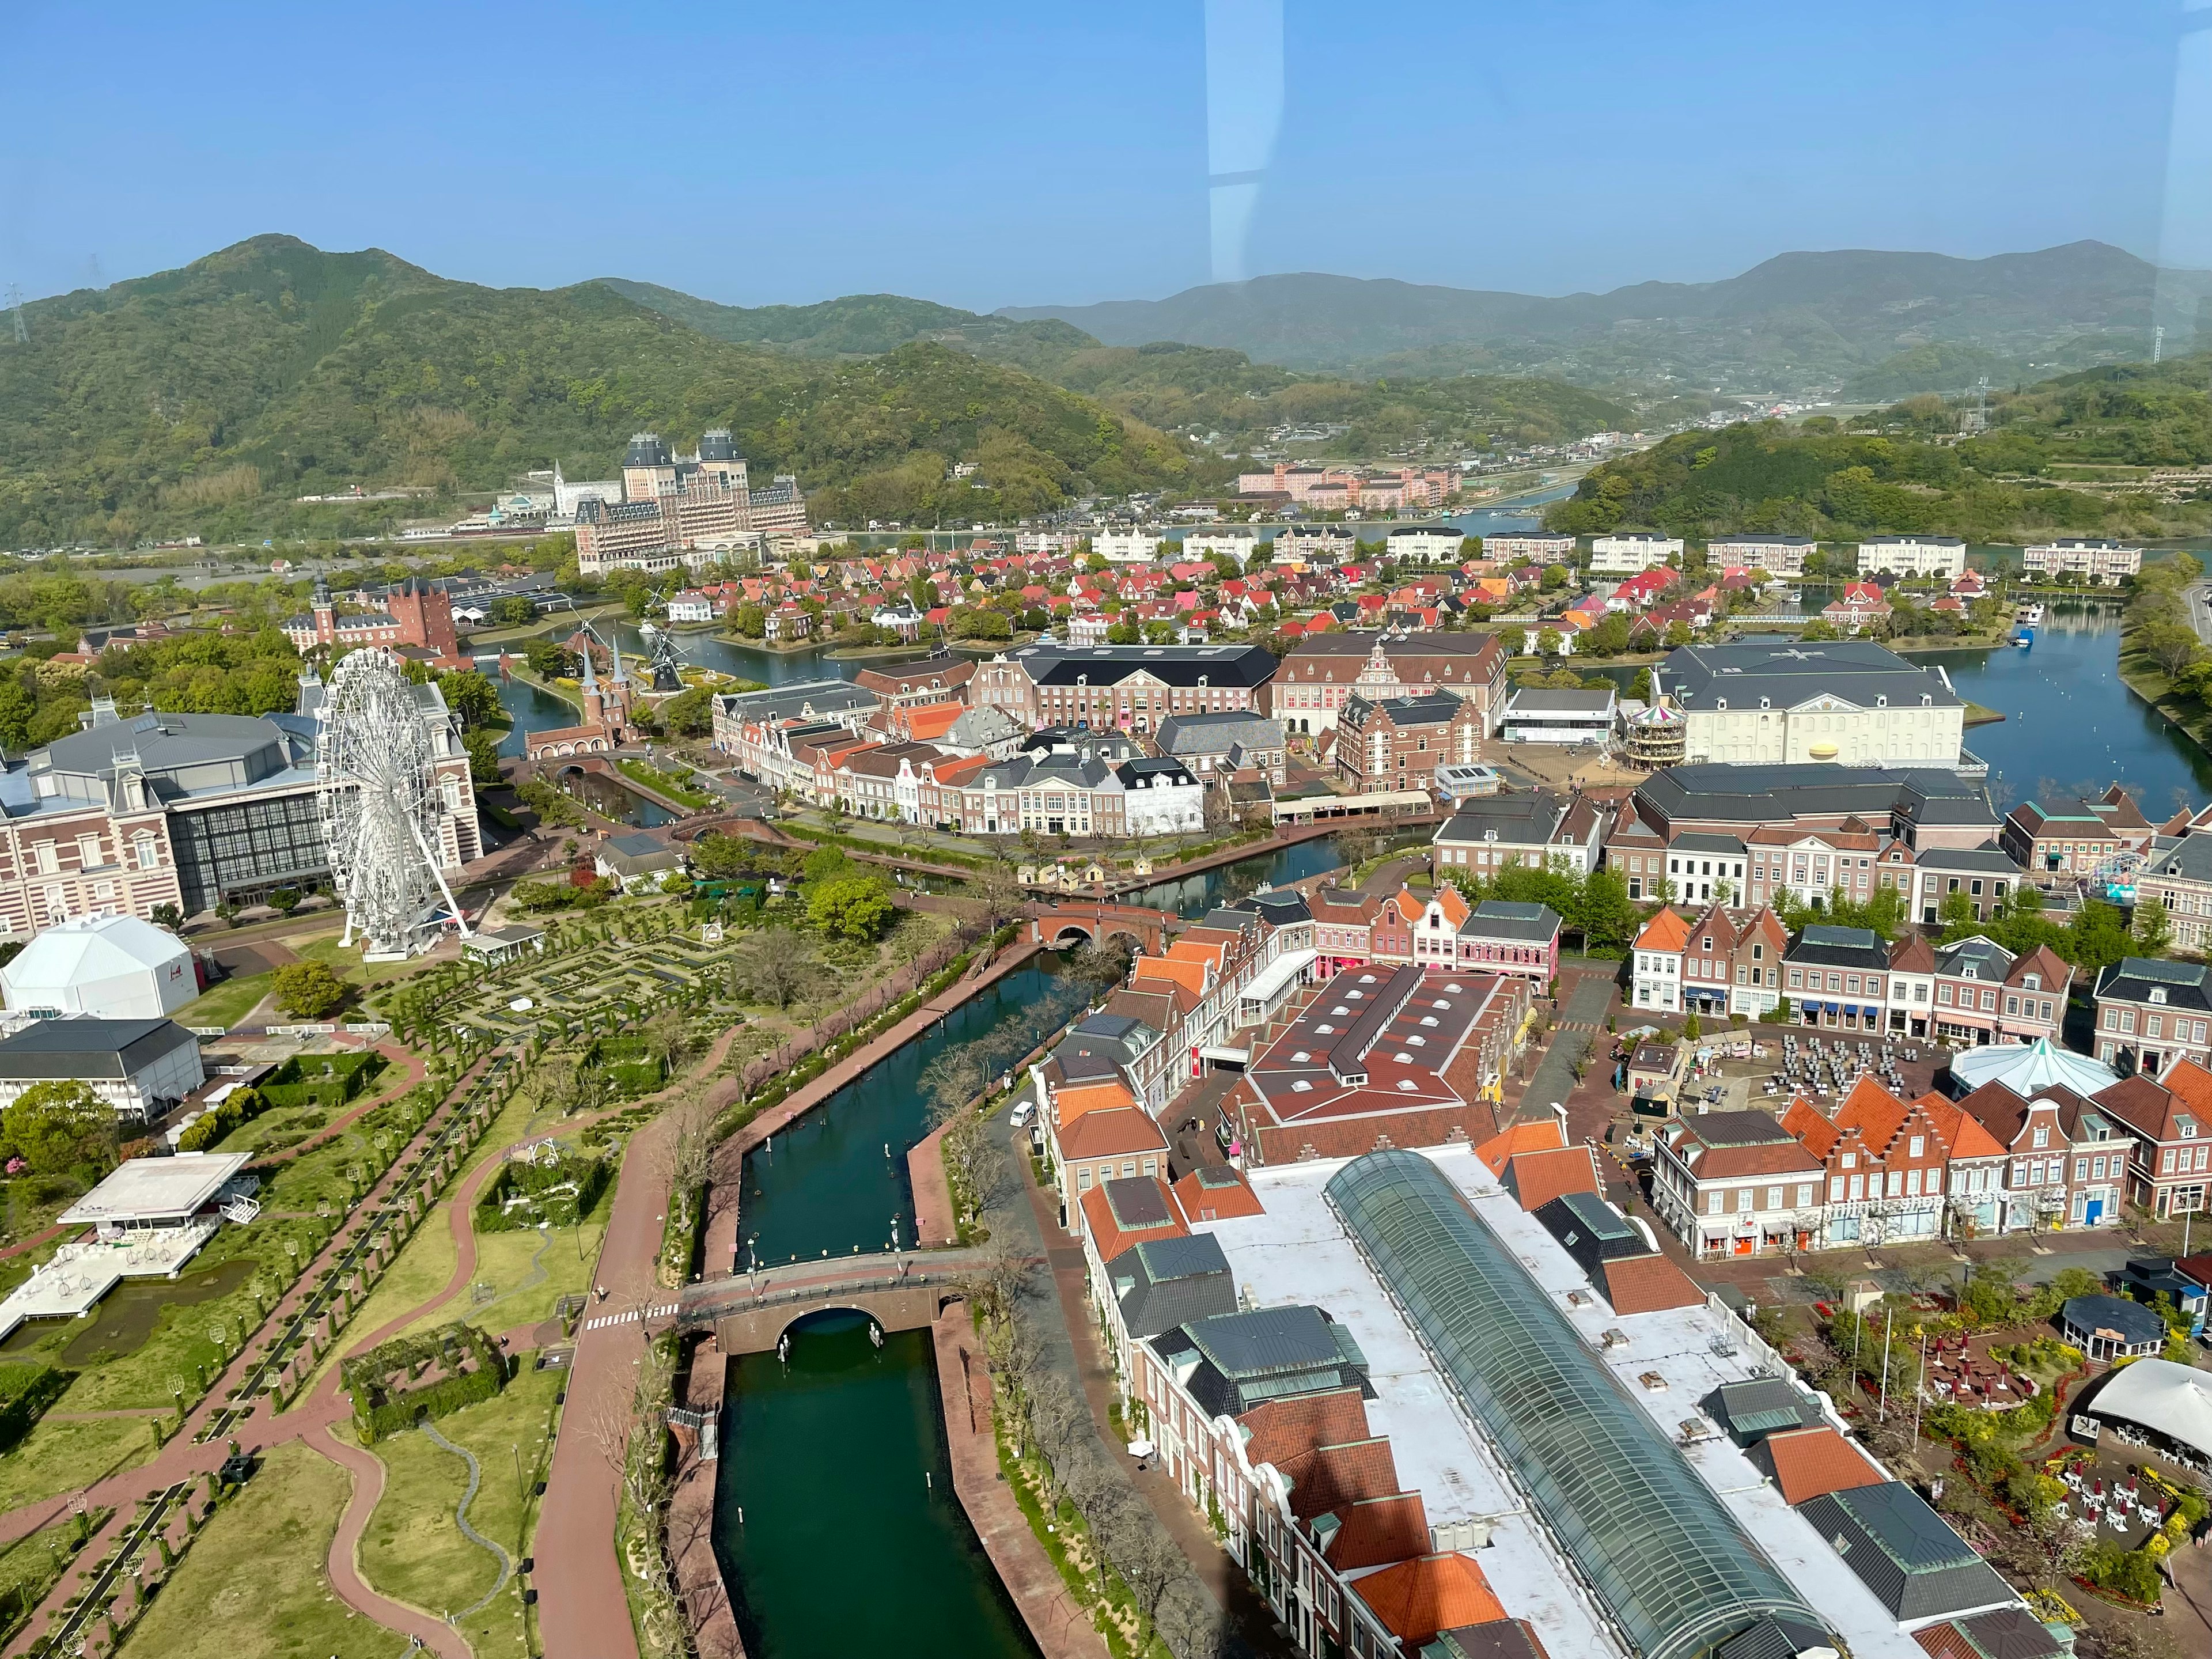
2154	928
308	990
1513	639
688	713
981	624
513	611
750	620
1548	643
483	749
472	696
1555	577
60	1126
169	916
776	971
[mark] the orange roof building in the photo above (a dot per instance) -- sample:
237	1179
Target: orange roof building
1537	1135
1647	1284
1806	1462
1430	1593
1536	1178
1214	1192
1070	1104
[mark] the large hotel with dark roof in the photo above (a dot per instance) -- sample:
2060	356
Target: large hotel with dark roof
1848	700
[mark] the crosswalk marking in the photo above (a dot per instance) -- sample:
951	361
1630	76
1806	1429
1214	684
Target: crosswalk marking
632	1317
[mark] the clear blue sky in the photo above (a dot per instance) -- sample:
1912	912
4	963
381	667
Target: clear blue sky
989	154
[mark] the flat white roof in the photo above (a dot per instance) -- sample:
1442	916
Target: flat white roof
157	1189
1298	1253
1278	974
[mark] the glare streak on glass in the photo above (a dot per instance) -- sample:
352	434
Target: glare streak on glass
1244	114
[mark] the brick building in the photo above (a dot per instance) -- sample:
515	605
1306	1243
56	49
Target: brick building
1130	688
1325	672
1398	743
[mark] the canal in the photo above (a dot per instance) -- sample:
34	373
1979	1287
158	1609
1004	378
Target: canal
845	1441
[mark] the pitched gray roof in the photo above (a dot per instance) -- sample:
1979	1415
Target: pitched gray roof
1861	673
1239	665
1901	1550
1725	794
1501	919
1163	1282
1528	818
1217	733
2134	979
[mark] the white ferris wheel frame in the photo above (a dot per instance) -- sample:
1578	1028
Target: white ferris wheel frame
377	791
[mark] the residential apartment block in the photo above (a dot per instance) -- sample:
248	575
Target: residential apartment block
2105	563
1777	555
1913	556
1626	553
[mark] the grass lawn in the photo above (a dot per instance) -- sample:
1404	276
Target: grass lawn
414	1551
664	783
58	1457
347	964
503	1262
230	1002
253	1586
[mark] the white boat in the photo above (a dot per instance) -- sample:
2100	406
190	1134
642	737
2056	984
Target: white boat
2029	615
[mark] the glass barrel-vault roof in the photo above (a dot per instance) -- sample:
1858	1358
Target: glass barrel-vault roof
1672	1567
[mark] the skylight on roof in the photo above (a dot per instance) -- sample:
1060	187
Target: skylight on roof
1407	1085
1403	1059
1301	1056
1299	1086
1454	986
1327	1030
1418	1041
1428	1019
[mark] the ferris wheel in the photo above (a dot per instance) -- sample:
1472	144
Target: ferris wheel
376	787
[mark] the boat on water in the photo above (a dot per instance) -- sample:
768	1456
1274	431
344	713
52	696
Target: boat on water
2028	615
2024	638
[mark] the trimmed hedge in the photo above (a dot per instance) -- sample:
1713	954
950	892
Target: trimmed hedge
380	1409
535	1182
27	1392
324	1081
629	1069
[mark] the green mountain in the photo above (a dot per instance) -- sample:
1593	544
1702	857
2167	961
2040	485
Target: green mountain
1211	393
859	326
208	398
2067	455
1798	322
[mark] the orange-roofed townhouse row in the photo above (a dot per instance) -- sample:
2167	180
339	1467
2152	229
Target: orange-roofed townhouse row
1119	1143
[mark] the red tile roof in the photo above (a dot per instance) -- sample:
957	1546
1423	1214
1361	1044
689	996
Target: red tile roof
1215	1193
1646	1284
1109	1133
1538	1134
1377	1531
1283	1429
1806	1462
1100	1221
1536	1178
1417	1598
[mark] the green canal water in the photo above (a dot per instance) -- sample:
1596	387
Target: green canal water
835	1519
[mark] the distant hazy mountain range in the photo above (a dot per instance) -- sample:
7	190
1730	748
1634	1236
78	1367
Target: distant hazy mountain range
1876	326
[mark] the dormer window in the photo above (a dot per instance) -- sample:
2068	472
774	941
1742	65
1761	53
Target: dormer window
2158	996
1720	703
2033	982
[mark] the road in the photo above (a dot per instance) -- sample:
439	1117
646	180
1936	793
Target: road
2198	595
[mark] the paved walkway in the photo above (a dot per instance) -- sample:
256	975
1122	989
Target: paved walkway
1580	1021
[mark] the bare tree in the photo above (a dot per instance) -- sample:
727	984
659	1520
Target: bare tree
1189	1622
997	1285
995	889
1151	1565
668	1039
561	1087
975	1162
632	1436
954	1078
777	968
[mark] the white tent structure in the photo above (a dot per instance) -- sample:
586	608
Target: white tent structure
2174	1400
113	967
2028	1068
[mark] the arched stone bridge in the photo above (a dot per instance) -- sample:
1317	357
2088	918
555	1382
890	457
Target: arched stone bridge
1066	921
901	1291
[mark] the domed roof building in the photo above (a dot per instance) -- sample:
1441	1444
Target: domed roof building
113	967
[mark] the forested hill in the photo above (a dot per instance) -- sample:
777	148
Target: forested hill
1202	391
2070	455
1800	320
206	399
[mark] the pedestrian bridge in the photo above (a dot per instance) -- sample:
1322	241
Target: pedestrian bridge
1065	922
901	1290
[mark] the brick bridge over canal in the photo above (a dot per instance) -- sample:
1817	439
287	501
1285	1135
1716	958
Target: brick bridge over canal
1069	919
902	1291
